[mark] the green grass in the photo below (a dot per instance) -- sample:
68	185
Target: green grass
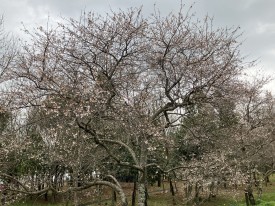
267	199
269	203
222	201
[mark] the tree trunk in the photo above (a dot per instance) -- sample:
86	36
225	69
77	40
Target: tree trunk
1	198
212	189
163	186
171	187
159	179
188	190
114	198
142	176
98	190
249	198
175	185
124	201
134	194
75	184
68	197
246	198
266	180
46	197
172	190
197	192
141	194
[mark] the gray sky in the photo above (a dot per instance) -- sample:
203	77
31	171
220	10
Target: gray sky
255	17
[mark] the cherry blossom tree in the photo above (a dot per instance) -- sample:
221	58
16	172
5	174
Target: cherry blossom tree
7	53
123	82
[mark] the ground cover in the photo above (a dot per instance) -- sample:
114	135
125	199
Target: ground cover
160	196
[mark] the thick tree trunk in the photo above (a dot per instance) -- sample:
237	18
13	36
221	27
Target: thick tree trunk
142	176
141	194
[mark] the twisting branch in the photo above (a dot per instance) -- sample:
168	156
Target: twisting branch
107	149
116	186
131	152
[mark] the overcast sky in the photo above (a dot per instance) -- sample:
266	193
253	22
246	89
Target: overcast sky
255	17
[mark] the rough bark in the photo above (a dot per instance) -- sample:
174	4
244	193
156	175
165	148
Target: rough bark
141	194
142	179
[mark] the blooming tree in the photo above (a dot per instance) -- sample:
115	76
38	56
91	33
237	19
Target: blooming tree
122	83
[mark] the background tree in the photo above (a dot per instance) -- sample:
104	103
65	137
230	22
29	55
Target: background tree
7	54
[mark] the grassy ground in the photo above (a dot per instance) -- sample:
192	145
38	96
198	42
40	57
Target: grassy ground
237	198
225	197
